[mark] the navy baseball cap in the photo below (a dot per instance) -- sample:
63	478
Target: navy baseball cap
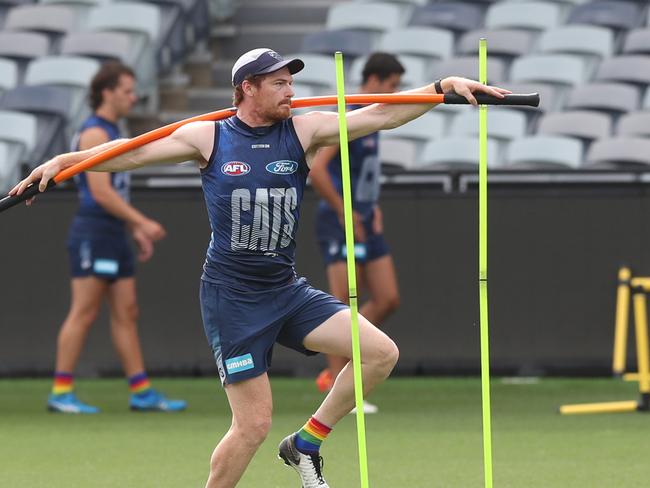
261	61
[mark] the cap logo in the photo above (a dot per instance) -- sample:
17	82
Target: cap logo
275	55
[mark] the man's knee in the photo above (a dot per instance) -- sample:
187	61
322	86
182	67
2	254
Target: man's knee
254	429
389	304
385	356
127	313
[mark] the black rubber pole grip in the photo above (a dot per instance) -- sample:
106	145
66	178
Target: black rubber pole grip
31	191
528	99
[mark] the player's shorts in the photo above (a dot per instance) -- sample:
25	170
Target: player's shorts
331	240
99	251
242	325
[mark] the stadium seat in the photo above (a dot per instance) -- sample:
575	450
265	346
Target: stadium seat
53	20
9	168
634	124
613	98
620	152
583	124
457	17
425	42
319	73
592	43
8	74
504	124
408	2
398	153
377	17
559	69
544	152
467	66
183	23
196	22
142	22
99	45
353	43
72	73
632	68
504	43
637	41
430	126
456	153
23	46
50	104
18	131
80	7
531	15
618	15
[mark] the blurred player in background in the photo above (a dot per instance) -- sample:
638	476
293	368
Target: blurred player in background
382	73
101	260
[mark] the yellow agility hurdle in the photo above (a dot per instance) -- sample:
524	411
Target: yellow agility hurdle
638	287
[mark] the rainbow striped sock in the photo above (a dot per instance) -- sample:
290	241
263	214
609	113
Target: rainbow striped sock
311	436
63	383
139	383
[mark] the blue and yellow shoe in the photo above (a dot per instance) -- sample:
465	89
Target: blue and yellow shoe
69	403
154	401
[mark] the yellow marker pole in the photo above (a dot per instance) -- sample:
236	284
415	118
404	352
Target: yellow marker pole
483	288
352	279
642	349
622	321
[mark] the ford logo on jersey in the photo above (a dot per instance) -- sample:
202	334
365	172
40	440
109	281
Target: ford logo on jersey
284	167
235	168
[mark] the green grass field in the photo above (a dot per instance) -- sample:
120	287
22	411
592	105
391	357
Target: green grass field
428	434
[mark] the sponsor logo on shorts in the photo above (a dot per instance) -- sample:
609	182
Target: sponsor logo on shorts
240	363
284	167
105	266
235	168
360	251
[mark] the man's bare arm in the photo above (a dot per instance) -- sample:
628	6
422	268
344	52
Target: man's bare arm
317	129
191	141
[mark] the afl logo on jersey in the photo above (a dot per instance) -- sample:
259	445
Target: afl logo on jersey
235	168
284	167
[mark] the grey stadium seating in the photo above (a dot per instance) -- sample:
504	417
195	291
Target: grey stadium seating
583	124
50	104
545	152
352	42
457	17
620	152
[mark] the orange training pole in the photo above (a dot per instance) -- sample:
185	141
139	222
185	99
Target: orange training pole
530	99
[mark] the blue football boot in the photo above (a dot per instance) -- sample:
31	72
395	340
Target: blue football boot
68	403
154	401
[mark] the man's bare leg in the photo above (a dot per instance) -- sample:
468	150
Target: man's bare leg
251	405
379	355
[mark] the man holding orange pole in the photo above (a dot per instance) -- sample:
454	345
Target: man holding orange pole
254	166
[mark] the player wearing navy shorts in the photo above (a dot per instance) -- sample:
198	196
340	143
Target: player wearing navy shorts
253	168
101	260
382	73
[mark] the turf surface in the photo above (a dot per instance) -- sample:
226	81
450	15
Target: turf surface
427	434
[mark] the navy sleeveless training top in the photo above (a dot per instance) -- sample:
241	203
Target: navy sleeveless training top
365	170
253	187
89	208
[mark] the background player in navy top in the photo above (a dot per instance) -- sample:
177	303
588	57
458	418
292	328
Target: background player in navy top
253	180
382	73
101	260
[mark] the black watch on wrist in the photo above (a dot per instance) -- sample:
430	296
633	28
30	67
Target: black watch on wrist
438	86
